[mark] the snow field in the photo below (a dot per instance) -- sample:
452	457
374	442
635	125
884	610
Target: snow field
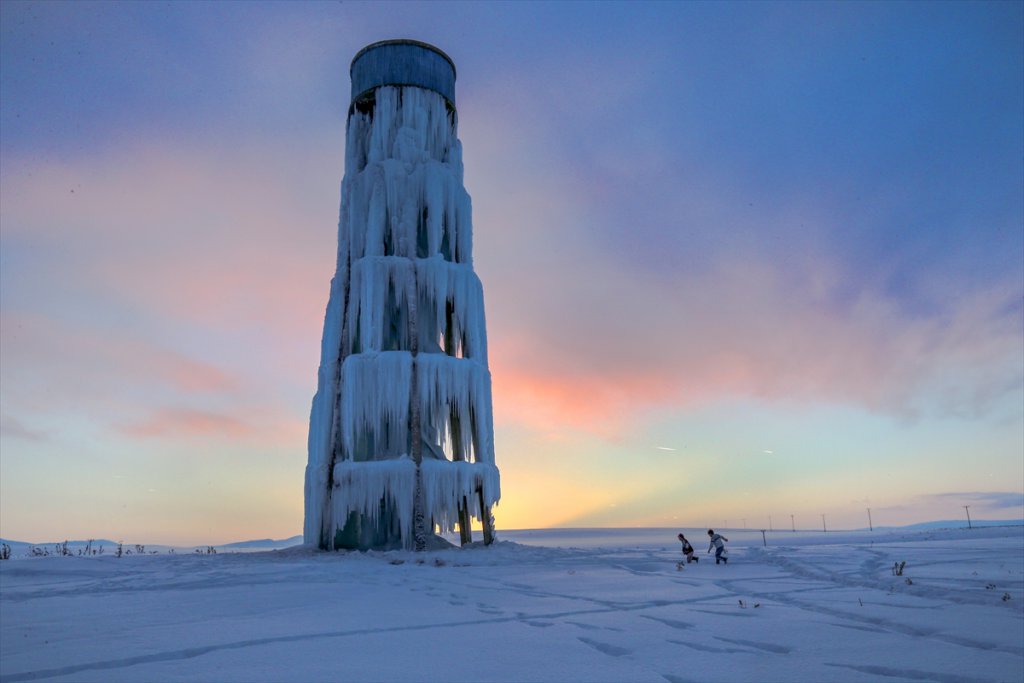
513	612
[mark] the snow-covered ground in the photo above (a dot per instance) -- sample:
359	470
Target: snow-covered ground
538	606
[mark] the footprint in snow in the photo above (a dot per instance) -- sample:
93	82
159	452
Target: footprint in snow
767	647
668	622
606	648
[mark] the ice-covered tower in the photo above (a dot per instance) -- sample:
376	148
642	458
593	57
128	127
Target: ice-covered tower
400	435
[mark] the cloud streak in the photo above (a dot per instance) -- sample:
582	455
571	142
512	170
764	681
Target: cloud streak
586	339
12	427
983	501
188	423
62	359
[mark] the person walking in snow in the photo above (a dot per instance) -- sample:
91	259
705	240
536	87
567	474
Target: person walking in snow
687	550
716	543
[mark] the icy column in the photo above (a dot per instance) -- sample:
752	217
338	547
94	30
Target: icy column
400	434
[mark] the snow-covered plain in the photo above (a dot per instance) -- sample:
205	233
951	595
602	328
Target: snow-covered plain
581	605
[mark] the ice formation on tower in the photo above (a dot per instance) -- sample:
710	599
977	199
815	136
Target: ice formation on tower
400	434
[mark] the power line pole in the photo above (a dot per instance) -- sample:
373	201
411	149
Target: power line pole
966	507
792	522
871	526
770	527
744	522
823	523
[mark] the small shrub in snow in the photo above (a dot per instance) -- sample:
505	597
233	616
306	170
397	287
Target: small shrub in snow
33	551
1006	596
897	568
120	550
5	552
62	549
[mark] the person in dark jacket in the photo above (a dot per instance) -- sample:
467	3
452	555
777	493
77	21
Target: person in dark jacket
687	550
716	543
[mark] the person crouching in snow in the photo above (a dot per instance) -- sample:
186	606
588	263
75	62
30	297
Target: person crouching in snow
716	543
687	550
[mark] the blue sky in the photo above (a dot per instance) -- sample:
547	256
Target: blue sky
783	240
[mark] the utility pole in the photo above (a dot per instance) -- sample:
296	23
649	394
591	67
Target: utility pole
770	527
966	507
744	522
763	539
793	522
871	527
823	523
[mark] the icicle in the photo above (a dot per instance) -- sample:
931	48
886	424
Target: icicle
377	295
435	177
375	399
447	484
361	486
444	282
321	418
408	124
448	384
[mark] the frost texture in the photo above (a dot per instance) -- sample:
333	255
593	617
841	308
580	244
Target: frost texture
450	484
361	486
375	403
404	250
454	387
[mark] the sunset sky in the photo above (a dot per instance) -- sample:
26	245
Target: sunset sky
739	259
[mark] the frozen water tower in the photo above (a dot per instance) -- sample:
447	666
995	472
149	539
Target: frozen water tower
400	433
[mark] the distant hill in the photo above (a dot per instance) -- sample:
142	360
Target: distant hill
21	548
957	523
49	544
263	543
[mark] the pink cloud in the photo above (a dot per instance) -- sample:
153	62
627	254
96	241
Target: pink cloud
232	245
79	357
259	426
691	343
198	232
580	336
184	422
